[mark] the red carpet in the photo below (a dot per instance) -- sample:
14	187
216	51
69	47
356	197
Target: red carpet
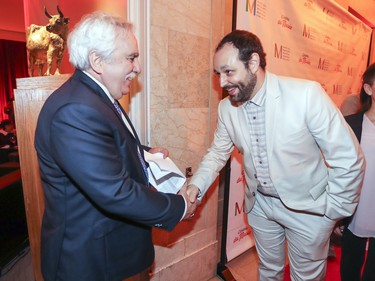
333	268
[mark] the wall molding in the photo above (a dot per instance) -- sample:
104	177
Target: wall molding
139	108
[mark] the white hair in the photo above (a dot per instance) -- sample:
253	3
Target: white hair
95	32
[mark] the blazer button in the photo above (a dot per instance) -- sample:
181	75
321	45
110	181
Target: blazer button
253	193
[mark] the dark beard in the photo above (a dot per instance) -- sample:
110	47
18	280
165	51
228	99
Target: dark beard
245	90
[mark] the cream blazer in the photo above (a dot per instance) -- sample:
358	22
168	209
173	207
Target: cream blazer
315	161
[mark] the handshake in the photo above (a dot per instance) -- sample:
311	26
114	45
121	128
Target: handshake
190	193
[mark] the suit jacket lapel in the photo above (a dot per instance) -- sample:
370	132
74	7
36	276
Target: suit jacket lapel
272	111
133	129
242	123
99	91
78	74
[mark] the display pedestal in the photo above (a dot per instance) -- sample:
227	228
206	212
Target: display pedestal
30	96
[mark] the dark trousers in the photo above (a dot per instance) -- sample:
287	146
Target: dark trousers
353	255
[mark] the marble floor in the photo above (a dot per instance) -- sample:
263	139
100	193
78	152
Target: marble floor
243	268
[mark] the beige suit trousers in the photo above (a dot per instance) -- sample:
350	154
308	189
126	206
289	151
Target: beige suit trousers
306	236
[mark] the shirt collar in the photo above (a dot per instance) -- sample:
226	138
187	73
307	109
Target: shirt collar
104	88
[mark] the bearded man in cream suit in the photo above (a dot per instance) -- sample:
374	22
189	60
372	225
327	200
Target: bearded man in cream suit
302	163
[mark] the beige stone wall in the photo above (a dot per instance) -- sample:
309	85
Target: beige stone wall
183	101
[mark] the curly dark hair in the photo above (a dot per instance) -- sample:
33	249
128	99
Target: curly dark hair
247	43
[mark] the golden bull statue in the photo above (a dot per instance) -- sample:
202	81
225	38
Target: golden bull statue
44	43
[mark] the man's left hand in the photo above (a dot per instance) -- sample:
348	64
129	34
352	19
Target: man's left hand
159	149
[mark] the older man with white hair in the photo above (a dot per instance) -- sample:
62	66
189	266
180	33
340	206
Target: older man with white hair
99	207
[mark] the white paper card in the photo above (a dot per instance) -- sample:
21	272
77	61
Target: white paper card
164	175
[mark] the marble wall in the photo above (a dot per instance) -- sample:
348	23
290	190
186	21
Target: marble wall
183	101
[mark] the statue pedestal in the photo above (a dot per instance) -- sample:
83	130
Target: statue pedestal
29	98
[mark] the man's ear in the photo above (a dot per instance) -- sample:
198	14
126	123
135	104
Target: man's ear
367	89
96	62
254	63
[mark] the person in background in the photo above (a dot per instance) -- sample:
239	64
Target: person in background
99	206
8	137
286	130
359	233
349	106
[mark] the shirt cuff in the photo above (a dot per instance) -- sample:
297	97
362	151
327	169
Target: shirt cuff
183	215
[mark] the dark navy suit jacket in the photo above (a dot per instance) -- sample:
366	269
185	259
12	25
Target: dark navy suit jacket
99	210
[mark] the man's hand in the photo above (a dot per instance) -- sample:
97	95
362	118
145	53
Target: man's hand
190	206
193	193
160	149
